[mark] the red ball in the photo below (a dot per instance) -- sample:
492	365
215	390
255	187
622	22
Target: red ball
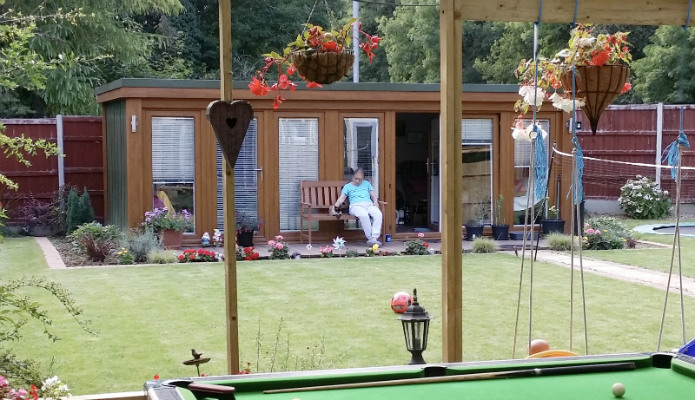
400	302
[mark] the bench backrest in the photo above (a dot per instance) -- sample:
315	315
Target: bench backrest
320	193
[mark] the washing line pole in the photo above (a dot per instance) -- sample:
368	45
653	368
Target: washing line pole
356	42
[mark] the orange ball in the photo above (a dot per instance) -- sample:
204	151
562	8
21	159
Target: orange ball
538	345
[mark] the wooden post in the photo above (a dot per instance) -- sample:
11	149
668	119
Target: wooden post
225	15
451	31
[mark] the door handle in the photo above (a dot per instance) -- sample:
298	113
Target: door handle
259	170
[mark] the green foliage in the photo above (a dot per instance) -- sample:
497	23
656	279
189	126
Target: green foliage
86	211
667	71
23	373
162	218
279	249
416	247
124	257
499	211
605	233
641	198
559	241
484	245
96	240
141	243
72	216
162	257
352	253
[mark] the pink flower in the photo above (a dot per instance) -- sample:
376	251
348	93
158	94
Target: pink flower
3	382
598	232
279	246
421	235
590	231
279	237
271	243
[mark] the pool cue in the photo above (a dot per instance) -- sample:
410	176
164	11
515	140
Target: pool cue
548	371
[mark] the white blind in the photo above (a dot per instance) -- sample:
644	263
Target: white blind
298	145
476	131
245	177
172	150
361	148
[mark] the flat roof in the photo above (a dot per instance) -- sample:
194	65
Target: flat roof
338	86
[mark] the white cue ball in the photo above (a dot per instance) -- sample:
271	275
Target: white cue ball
618	389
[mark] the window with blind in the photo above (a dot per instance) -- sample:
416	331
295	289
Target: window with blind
476	155
298	145
361	141
522	161
173	163
245	177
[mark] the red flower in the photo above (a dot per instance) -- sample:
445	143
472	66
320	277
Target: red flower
258	88
626	87
601	58
181	257
278	100
312	85
34	392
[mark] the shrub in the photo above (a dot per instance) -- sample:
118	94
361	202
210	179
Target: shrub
84	205
141	243
484	245
604	233
641	198
352	254
96	240
162	257
417	247
72	216
200	255
246	253
559	241
124	257
279	250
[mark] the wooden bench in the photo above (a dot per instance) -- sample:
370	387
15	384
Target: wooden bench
316	197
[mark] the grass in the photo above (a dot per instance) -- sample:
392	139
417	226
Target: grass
297	311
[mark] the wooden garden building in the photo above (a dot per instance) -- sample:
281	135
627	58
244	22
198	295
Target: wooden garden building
160	149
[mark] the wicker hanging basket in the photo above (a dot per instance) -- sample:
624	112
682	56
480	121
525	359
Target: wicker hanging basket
599	85
324	67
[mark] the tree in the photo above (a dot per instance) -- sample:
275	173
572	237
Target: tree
667	72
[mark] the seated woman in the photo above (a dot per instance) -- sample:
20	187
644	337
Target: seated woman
363	205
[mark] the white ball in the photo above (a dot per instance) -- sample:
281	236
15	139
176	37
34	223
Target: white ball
618	389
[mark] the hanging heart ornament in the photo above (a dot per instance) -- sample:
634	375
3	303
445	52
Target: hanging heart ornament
230	122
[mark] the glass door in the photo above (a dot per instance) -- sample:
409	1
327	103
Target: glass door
476	154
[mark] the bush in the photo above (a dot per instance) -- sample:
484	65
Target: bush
141	243
124	257
605	233
484	245
72	215
96	240
641	198
86	211
416	247
279	250
162	257
559	241
352	254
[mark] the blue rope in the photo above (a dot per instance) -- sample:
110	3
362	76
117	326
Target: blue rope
578	186
541	165
670	154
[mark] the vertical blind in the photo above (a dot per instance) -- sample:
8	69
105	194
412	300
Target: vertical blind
245	177
361	148
173	145
298	149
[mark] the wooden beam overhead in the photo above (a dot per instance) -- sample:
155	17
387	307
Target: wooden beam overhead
628	12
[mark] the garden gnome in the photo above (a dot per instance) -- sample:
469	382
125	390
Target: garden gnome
217	238
205	239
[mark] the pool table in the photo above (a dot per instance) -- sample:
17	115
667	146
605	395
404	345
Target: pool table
645	376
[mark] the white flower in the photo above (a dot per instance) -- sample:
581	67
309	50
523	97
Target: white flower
308	246
586	42
530	95
519	132
567	105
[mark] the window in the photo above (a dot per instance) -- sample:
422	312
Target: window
476	154
173	163
298	143
522	161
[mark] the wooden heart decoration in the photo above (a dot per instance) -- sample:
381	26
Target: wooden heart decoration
230	122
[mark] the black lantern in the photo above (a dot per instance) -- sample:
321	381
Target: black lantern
416	325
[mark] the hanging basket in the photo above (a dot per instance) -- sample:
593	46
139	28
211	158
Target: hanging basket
324	67
599	85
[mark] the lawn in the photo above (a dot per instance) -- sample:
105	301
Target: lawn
317	313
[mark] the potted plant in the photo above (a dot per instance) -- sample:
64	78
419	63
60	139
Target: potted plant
601	65
39	218
475	226
500	230
553	223
168	224
246	226
319	56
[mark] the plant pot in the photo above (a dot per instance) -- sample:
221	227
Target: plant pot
244	238
599	85
171	239
500	232
553	225
323	67
41	230
474	231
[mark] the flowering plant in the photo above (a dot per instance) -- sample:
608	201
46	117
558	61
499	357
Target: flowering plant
605	233
327	252
279	250
51	389
123	256
246	253
200	255
314	39
163	218
247	223
584	49
641	198
417	247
